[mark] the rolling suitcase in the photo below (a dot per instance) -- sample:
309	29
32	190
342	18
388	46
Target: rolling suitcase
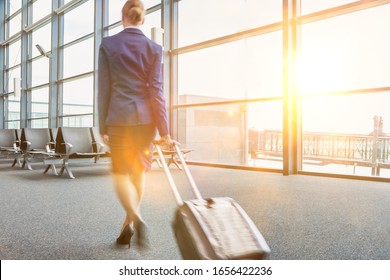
213	228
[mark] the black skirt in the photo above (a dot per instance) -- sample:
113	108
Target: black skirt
131	148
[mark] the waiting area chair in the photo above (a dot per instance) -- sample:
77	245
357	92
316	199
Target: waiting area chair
98	144
10	145
73	145
36	143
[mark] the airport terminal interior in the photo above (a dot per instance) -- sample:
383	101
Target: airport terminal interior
280	104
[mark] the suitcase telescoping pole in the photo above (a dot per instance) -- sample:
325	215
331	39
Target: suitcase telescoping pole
194	187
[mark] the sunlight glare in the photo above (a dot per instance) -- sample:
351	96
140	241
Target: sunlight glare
317	74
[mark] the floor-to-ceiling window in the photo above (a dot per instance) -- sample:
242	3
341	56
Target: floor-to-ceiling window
226	69
12	70
230	81
344	81
38	95
77	72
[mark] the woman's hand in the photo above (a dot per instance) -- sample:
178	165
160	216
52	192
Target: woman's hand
105	139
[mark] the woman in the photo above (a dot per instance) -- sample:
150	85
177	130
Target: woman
131	106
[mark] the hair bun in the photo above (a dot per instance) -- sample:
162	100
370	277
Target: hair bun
134	11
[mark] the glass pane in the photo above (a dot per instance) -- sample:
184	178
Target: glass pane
13	109
13	73
15	25
115	9
201	20
42	123
338	134
40	103
78	97
78	121
14	5
14	54
265	134
346	52
41	8
214	133
310	6
40	71
151	20
220	134
151	3
79	22
249	68
41	36
78	58
13	124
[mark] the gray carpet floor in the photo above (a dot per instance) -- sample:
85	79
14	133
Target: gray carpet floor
301	217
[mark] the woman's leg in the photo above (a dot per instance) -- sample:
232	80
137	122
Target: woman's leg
138	180
128	197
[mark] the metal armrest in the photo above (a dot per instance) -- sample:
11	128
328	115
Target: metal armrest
15	146
99	146
49	146
68	147
28	145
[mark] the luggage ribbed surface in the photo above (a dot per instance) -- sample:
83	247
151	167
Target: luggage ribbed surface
227	229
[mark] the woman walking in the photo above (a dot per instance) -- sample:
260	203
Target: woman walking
131	108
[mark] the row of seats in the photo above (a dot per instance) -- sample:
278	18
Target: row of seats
61	146
53	146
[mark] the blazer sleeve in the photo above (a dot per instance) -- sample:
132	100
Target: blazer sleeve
103	90
157	100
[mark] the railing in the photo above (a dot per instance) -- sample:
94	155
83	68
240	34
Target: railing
365	150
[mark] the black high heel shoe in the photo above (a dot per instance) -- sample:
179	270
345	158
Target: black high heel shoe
125	237
141	232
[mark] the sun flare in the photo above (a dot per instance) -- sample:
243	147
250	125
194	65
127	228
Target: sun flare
317	74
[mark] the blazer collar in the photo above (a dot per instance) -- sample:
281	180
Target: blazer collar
133	31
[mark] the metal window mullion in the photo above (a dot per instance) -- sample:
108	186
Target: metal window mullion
23	66
101	16
6	65
229	38
38	24
170	65
290	113
68	6
60	69
53	68
29	67
341	10
2	63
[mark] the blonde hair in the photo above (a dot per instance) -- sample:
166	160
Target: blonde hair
133	12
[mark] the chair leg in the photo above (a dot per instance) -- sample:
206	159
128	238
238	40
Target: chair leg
26	162
47	168
69	171
64	167
28	165
53	167
16	161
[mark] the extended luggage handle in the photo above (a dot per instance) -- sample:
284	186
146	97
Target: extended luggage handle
172	183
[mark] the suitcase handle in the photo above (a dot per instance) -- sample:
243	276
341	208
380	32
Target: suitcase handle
172	184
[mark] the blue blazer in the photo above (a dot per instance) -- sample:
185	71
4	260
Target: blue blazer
130	82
